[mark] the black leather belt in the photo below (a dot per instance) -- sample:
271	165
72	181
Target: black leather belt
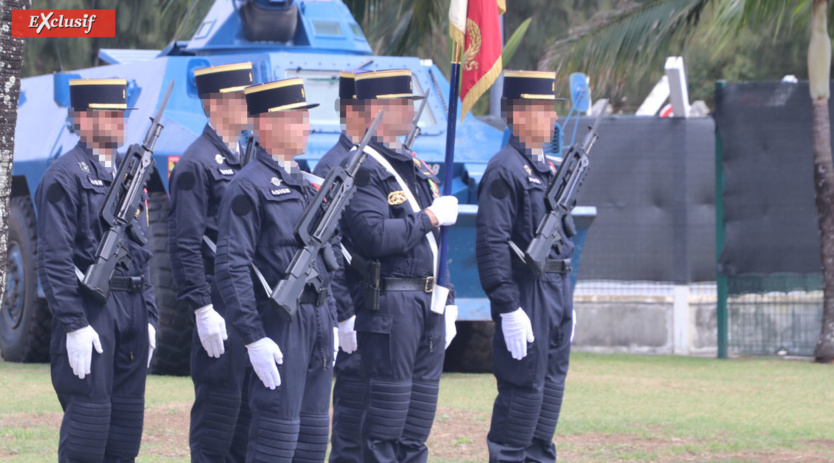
311	296
408	284
130	284
557	266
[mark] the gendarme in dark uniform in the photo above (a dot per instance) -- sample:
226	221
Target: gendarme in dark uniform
220	415
401	340
533	314
292	360
103	394
349	388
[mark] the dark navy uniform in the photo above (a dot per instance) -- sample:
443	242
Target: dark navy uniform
103	413
220	415
403	342
257	217
510	207
349	388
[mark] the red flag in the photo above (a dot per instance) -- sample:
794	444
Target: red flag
481	61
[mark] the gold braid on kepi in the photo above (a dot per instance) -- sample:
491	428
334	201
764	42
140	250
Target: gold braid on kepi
226	78
281	95
530	85
390	84
98	94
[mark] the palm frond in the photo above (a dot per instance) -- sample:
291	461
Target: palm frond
628	38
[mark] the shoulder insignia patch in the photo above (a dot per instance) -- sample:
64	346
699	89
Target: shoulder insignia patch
227	171
528	170
276	181
218	158
84	167
96	182
395	198
279	191
535	180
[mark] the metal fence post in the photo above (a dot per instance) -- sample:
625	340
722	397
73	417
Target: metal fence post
721	280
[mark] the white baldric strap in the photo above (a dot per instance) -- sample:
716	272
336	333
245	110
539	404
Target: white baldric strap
411	199
258	273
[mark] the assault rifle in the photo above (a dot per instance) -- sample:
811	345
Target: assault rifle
415	131
560	199
316	229
250	150
121	207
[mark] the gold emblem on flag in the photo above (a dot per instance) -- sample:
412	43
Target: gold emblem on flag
395	198
474	34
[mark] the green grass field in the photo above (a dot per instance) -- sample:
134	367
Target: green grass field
617	408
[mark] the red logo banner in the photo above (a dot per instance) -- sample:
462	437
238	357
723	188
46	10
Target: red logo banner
63	23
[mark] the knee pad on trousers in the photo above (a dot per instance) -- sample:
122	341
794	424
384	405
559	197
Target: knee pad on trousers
549	416
421	410
522	417
348	406
387	409
126	421
84	431
216	425
312	438
272	439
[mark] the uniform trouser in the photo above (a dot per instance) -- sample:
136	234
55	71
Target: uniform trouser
530	390
402	347
220	415
291	423
104	412
349	396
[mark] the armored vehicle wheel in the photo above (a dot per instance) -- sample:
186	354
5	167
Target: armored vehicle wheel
471	350
173	334
25	319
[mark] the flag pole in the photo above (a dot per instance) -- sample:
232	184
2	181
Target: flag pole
451	125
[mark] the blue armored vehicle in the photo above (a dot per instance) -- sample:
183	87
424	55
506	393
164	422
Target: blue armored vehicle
311	39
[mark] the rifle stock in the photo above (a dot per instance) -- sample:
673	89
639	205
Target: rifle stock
316	229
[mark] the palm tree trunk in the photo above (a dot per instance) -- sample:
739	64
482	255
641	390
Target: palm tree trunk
819	72
824	185
11	59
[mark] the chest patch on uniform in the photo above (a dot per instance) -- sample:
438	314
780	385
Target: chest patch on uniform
395	198
227	171
96	182
279	191
55	193
84	167
241	205
535	180
186	181
218	158
499	189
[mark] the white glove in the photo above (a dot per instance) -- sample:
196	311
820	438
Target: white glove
517	332
445	209
573	328
151	342
80	344
451	329
335	344
212	330
347	335
264	354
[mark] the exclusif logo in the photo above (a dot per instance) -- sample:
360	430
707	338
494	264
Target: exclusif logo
63	23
